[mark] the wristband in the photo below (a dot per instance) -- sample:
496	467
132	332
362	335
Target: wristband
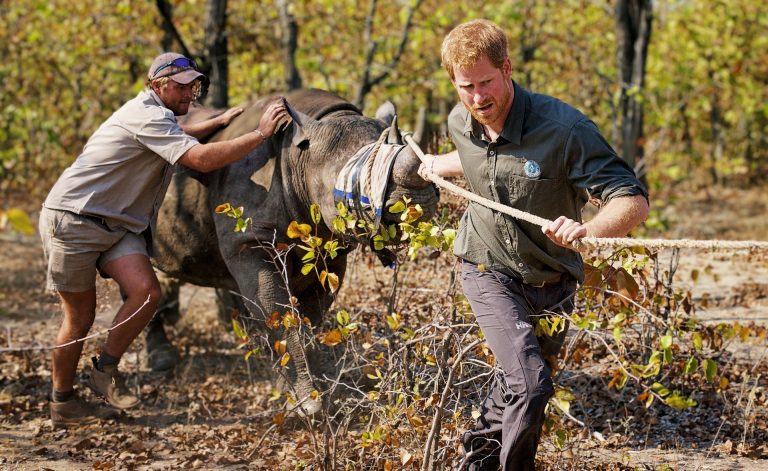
263	137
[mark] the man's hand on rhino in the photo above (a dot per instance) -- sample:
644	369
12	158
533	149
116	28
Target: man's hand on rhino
229	115
273	117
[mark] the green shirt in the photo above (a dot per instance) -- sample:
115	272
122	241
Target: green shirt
548	160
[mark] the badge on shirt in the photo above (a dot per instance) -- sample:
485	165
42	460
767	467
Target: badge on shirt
532	169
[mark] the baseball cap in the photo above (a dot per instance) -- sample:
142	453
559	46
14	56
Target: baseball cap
176	66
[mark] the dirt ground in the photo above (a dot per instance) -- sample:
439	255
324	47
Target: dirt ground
214	411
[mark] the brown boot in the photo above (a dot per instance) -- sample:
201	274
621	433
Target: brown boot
109	385
77	411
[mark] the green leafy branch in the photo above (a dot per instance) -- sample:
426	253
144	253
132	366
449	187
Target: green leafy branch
317	250
241	225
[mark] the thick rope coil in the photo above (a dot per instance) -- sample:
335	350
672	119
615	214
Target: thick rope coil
591	242
371	159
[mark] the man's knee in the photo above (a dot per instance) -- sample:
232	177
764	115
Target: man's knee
144	289
541	392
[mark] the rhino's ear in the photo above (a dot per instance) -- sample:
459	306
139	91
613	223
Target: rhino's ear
386	112
301	123
394	136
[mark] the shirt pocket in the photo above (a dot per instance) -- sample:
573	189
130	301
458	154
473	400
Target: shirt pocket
544	197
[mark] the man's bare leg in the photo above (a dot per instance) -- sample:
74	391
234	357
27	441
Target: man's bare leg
137	281
79	313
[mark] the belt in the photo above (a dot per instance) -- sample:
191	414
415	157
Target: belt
554	281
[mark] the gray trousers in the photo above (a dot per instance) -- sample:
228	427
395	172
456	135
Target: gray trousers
506	309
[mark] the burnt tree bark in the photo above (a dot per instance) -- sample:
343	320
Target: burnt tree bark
633	24
216	54
289	39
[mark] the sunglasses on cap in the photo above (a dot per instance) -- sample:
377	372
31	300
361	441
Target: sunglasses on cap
182	62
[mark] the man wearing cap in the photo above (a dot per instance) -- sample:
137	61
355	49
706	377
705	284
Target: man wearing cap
542	156
100	215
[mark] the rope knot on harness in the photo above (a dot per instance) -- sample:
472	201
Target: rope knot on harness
361	185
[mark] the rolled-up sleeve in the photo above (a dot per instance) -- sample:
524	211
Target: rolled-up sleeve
594	166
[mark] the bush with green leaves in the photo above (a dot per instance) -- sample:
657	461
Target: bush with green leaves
412	378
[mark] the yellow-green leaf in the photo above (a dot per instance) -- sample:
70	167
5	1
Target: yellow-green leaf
679	401
398	207
239	331
19	221
710	369
690	365
314	209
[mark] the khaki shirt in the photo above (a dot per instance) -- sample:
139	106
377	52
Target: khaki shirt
547	161
125	168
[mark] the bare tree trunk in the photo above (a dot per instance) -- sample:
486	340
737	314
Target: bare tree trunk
716	122
171	34
687	138
213	61
633	24
367	81
289	31
529	42
166	11
217	63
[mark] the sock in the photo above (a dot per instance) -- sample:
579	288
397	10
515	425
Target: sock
105	359
62	396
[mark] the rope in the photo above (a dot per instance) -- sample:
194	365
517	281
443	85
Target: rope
371	159
590	242
72	342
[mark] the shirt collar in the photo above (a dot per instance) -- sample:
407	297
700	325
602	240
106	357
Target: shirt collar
155	97
513	126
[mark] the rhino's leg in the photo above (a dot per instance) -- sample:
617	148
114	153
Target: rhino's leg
264	292
161	354
230	305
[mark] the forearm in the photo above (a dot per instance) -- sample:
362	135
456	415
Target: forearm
204	128
618	217
447	165
214	155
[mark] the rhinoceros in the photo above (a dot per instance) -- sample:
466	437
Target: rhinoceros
275	185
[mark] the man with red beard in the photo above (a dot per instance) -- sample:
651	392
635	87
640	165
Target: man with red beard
542	156
100	216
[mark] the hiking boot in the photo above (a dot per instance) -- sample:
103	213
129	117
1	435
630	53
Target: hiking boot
77	411
109	385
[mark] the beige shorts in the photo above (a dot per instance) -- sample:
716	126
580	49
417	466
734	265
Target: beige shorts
76	246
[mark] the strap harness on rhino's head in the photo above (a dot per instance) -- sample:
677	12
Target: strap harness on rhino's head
362	183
